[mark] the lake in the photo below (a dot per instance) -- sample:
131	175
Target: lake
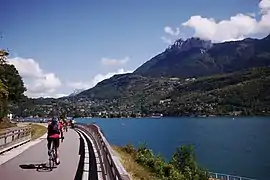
239	146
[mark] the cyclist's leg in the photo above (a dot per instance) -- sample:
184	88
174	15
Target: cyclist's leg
56	145
49	142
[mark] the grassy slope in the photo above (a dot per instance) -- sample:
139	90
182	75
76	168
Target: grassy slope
37	130
136	171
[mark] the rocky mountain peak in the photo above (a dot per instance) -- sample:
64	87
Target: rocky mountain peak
75	92
194	42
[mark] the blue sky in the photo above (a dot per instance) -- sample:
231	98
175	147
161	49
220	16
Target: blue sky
67	40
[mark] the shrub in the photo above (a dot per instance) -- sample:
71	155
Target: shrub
182	166
129	149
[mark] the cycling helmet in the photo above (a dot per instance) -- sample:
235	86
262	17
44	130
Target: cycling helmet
54	120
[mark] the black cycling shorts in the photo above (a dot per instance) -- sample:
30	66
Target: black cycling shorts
56	142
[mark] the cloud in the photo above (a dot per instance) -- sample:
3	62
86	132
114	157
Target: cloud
252	14
237	27
170	31
265	6
173	35
37	82
166	40
114	62
27	67
96	79
80	85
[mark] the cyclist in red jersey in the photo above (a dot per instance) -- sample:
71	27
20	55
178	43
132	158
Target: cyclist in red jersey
55	128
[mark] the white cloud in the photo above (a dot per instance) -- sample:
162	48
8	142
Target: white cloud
27	67
96	79
114	62
80	85
57	95
252	14
264	5
236	27
170	31
166	40
37	82
173	35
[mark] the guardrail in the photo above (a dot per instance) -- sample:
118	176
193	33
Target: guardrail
111	165
14	137
227	177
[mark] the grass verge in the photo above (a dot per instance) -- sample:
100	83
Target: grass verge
142	163
37	131
137	171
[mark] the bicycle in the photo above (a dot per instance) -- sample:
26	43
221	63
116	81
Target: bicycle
52	156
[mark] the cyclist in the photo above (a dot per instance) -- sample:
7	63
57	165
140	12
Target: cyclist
55	128
72	122
64	122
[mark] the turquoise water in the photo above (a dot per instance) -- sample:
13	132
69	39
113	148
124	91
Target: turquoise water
239	146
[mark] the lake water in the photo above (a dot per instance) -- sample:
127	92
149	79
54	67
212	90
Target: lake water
239	146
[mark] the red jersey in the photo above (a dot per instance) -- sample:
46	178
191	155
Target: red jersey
53	134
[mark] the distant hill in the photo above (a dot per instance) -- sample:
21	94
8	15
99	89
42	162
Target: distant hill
195	57
118	86
246	91
75	92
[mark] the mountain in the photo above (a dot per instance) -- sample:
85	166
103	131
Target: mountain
226	77
195	57
191	58
124	85
75	92
245	92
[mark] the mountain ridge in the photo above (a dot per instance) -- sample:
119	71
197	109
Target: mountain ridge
203	58
210	59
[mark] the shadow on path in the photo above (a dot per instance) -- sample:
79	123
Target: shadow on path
42	167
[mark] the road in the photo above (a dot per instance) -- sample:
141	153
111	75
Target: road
20	166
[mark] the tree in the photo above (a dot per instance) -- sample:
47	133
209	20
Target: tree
184	160
11	78
3	100
11	84
3	56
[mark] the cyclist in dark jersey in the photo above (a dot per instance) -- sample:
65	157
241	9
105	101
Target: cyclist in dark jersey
55	128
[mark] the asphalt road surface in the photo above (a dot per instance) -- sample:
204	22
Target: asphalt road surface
22	167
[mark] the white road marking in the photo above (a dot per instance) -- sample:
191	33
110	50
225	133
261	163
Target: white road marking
86	158
99	169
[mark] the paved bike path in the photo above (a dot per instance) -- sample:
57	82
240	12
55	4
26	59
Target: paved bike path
37	154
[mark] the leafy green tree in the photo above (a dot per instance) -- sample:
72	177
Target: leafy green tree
11	78
184	156
3	100
184	160
3	56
